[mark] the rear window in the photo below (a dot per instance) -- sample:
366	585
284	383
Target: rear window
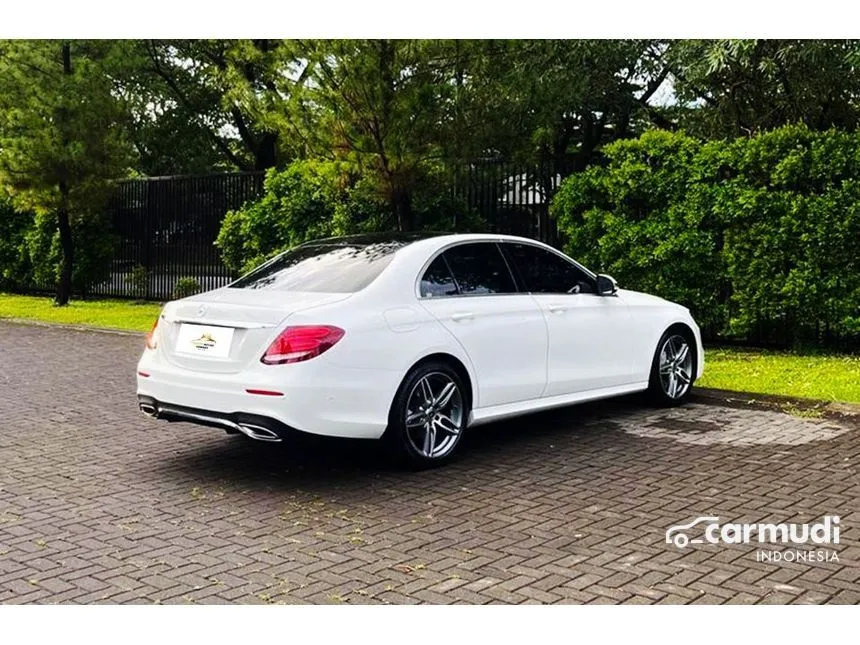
325	268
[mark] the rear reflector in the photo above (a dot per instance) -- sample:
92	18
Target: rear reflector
143	374
264	392
301	343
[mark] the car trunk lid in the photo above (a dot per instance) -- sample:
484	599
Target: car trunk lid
226	329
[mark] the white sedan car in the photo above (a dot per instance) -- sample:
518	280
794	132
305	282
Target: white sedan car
411	339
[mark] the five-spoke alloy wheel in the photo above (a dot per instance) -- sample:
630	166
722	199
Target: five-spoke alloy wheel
676	366
673	369
429	414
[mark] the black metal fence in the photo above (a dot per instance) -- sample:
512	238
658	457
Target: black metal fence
166	226
512	198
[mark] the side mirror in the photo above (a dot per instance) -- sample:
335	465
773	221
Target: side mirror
606	285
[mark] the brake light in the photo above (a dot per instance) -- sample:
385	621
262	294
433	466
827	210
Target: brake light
151	339
302	343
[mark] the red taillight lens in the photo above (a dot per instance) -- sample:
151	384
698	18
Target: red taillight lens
151	340
302	343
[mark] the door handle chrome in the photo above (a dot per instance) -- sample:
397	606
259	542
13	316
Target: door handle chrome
461	316
557	309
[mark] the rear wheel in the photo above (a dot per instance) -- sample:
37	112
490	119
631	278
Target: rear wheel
428	416
673	368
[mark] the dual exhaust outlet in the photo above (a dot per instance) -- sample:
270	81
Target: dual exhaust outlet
168	413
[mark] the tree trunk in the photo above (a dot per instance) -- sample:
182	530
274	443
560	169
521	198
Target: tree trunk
64	286
402	202
592	133
265	156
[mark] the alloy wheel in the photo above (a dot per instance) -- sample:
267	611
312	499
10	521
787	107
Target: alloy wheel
434	415
676	366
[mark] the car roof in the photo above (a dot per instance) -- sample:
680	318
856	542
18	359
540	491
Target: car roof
408	238
363	239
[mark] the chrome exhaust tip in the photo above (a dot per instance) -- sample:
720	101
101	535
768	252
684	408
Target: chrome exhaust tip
149	410
258	432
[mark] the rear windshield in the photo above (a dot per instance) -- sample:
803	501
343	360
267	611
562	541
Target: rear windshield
342	268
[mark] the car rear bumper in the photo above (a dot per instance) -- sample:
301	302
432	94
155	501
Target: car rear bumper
320	399
254	426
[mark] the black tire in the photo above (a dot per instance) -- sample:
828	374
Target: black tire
659	389
402	441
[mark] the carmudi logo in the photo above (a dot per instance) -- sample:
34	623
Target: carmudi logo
707	529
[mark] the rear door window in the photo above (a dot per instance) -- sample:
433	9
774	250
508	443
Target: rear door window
480	269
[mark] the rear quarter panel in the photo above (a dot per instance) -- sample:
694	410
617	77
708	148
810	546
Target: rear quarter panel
386	335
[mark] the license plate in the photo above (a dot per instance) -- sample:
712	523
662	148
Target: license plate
204	340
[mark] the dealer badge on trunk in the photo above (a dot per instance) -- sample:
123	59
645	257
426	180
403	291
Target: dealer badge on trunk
204	343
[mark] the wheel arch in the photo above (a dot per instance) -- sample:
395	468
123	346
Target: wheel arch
457	365
687	330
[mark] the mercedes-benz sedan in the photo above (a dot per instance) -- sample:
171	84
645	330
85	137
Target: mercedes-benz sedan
411	339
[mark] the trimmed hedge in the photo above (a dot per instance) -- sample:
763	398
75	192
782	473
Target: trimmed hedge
758	237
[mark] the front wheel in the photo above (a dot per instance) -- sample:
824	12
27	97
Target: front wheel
428	415
673	368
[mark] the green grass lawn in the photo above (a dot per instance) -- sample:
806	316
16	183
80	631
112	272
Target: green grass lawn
812	376
117	314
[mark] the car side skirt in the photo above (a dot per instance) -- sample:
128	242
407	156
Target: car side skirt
507	410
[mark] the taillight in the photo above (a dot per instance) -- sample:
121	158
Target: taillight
301	343
151	339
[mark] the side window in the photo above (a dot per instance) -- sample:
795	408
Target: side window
545	272
479	268
437	280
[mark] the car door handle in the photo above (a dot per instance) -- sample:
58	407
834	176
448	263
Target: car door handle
557	309
462	316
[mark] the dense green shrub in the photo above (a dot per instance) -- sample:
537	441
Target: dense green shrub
15	269
313	199
185	287
94	251
138	280
30	250
305	201
757	236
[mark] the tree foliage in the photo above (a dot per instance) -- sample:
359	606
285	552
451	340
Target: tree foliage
557	99
60	135
740	87
756	235
395	109
376	106
195	105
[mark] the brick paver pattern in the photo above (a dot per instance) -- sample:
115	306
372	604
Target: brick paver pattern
100	504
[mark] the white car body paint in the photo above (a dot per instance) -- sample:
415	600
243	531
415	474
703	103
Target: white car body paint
522	352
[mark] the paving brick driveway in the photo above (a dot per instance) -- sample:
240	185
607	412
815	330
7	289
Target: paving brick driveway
99	504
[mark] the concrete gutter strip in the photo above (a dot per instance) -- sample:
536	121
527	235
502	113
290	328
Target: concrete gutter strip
731	398
101	330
